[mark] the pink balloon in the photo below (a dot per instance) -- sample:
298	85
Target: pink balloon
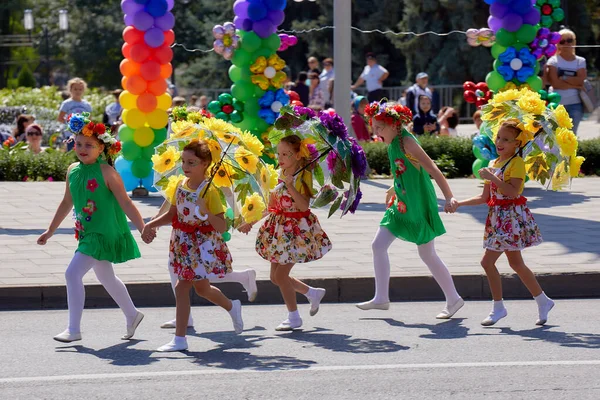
218	32
292	40
219	46
229	28
228	53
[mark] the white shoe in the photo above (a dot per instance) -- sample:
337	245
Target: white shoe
449	311
67	337
289	325
251	289
315	301
131	328
494	317
236	316
543	311
173	324
174	346
370	305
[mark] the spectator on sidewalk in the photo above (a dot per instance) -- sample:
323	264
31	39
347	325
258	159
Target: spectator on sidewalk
178	101
193	100
448	120
74	104
418	89
326	76
425	121
34	135
402	99
313	65
203	102
373	75
359	124
317	97
23	121
112	112
301	88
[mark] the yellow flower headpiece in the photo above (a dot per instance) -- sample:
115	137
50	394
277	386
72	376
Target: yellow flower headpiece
304	150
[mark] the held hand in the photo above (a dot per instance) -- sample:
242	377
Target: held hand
389	194
451	205
201	203
289	181
245	228
44	238
486	173
148	234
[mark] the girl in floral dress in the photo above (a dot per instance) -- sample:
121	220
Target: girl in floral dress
291	233
96	194
412	214
509	227
197	251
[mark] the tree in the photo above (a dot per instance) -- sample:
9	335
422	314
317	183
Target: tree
25	78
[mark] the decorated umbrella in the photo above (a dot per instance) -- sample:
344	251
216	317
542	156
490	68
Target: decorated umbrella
337	161
549	146
242	178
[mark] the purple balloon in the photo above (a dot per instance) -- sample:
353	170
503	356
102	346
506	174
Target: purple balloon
512	22
154	37
554	37
143	21
128	19
245	25
498	10
257	11
494	23
166	22
131	7
551	49
170	4
264	28
240	8
532	17
276	17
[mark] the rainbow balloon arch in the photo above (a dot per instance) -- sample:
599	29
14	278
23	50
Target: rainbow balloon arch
519	36
251	42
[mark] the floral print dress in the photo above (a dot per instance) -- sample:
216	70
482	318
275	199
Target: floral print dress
197	251
288	235
509	225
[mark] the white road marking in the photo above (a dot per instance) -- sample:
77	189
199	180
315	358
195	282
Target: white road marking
158	374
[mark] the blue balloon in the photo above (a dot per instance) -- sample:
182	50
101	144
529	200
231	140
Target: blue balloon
123	167
521	6
275	4
157	8
148	181
257	11
489	1
142	1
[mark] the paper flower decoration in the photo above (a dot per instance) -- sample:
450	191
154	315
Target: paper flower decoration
227	108
270	104
550	11
268	72
544	44
478	94
480	37
226	40
516	65
287	41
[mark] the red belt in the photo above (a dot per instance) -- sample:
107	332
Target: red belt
519	201
295	215
191	228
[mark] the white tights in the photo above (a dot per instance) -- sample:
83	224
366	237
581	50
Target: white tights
234	276
381	261
79	266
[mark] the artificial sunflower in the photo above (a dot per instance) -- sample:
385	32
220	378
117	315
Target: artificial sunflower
215	149
562	117
561	178
247	160
529	128
253	208
223	177
567	142
183	129
223	130
167	160
531	102
252	143
506	95
575	165
268	177
172	184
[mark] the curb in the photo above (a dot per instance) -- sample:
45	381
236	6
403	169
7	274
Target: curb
339	290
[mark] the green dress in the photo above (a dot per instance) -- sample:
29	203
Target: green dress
413	214
100	224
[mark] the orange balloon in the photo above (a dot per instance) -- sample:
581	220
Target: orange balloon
136	85
132	35
166	70
163	54
150	70
157	87
124	82
129	68
147	102
169	37
126	50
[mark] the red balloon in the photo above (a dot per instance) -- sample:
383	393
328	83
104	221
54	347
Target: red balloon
124	82
297	103
132	35
163	54
468	85
293	95
227	109
129	68
140	52
150	70
482	86
169	37
488	95
157	87
470	96
126	50
480	102
136	85
146	102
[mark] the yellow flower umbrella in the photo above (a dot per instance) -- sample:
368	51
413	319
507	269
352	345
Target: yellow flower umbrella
236	169
548	146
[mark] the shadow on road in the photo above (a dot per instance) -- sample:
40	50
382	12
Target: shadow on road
565	339
343	343
449	329
119	354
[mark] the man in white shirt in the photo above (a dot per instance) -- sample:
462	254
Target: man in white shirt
373	75
418	89
327	75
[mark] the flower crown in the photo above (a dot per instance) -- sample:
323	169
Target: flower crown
80	124
391	114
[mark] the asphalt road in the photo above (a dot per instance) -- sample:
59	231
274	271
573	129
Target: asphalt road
342	353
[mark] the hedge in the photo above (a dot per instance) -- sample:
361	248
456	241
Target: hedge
590	149
19	165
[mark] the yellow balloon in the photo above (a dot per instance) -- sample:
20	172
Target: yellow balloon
157	119
164	101
143	136
127	100
134	118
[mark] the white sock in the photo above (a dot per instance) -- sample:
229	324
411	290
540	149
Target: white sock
439	270
179	339
498	305
541	299
293	315
311	292
381	264
241	277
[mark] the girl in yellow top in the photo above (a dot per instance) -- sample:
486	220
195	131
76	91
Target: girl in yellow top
509	227
197	251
